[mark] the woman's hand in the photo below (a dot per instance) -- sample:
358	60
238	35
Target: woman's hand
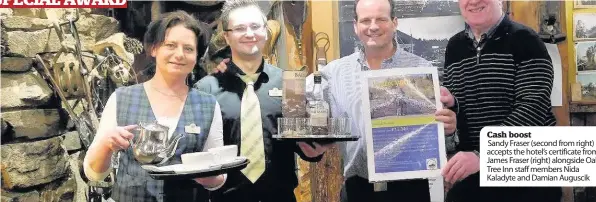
100	152
118	138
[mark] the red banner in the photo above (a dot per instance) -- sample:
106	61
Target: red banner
63	3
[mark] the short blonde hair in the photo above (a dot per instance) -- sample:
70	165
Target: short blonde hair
232	5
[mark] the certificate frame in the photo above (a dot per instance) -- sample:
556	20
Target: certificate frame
396	136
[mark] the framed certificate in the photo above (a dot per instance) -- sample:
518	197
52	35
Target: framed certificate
403	139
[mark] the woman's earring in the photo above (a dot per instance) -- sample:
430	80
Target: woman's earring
187	80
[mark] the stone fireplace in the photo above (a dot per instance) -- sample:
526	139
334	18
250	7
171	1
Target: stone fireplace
41	151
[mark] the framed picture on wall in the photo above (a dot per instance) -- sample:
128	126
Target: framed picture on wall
588	85
585	56
584	26
584	4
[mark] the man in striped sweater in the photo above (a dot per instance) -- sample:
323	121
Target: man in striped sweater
500	74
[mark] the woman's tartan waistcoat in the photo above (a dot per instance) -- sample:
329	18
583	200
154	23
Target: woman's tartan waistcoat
133	183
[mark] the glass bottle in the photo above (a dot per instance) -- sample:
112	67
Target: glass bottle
318	109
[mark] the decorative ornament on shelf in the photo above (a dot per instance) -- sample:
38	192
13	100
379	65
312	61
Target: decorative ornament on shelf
295	15
269	52
550	30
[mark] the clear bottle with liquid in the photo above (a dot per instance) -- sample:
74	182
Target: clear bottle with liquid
318	109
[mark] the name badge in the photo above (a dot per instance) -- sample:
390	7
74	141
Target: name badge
275	92
380	186
192	128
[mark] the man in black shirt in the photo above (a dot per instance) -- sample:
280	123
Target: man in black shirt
248	77
500	74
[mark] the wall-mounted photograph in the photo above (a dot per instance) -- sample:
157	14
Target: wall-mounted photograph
427	37
584	4
428	8
585	56
584	26
588	82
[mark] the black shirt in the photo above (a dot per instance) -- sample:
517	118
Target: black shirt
279	179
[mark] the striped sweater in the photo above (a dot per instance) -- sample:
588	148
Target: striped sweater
504	80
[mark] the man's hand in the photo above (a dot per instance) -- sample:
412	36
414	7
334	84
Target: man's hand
210	182
222	66
448	118
311	152
447	98
460	166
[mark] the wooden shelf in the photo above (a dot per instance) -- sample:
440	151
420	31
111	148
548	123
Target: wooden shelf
586	102
582	107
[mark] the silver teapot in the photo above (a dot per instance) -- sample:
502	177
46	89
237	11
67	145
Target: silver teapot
153	146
